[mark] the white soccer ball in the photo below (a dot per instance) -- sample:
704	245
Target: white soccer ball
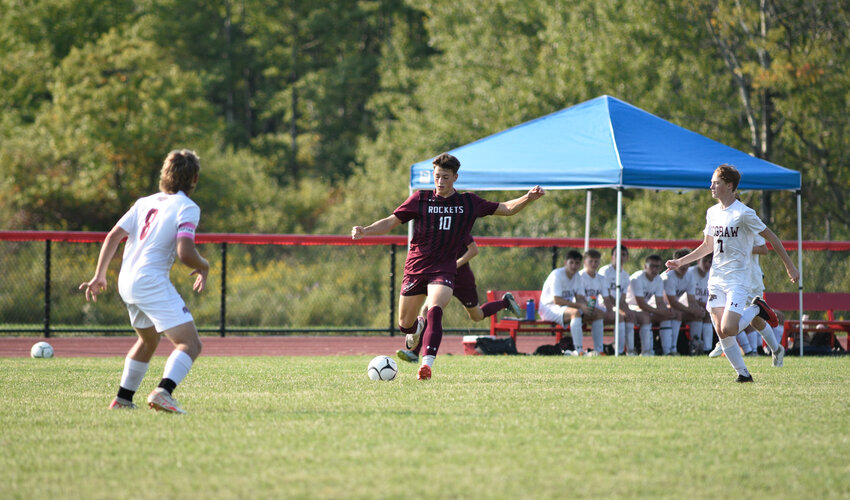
382	368
41	350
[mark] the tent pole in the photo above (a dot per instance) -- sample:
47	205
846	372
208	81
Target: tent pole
617	288
800	263
587	223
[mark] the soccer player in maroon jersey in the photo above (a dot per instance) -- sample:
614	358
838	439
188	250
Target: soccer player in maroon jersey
467	293
443	220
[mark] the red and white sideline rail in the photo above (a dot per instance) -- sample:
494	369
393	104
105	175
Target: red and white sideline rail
345	240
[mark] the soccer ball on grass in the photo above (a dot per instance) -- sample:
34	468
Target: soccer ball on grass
382	368
41	350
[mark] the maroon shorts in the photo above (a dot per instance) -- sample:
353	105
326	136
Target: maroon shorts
417	284
464	288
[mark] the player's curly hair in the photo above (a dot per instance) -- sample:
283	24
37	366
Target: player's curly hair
448	162
729	173
179	171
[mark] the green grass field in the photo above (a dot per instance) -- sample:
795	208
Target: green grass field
483	427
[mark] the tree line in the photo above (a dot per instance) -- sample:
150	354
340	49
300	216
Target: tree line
307	115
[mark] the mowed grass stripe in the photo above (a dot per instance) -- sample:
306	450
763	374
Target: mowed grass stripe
483	427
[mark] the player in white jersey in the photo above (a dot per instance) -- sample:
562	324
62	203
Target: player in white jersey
560	299
627	316
646	299
758	326
157	228
594	291
699	274
729	232
680	295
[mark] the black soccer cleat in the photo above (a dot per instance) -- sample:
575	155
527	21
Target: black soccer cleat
766	312
742	379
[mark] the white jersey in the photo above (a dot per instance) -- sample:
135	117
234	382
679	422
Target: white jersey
757	279
154	223
610	273
678	287
639	285
559	285
733	230
595	287
700	284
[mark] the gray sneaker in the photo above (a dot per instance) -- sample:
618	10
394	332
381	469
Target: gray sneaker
512	304
778	357
405	355
411	340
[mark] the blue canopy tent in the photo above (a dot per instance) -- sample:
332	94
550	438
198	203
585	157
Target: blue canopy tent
606	143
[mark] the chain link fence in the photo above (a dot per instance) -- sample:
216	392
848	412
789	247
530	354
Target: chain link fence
310	284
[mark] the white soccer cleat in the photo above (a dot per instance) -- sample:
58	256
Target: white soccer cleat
121	404
160	400
411	340
716	352
779	357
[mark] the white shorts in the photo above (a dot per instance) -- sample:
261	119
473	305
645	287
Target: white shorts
733	299
552	312
162	314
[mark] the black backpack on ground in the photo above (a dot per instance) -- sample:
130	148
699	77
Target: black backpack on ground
489	345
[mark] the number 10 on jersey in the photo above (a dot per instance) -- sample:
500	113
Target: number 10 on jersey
445	223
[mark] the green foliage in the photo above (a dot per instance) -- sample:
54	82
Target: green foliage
327	101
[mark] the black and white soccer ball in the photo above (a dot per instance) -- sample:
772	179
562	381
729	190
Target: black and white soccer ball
382	368
41	350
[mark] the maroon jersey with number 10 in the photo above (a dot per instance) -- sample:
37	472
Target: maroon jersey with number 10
441	227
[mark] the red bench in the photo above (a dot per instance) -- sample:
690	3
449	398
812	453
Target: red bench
514	325
812	301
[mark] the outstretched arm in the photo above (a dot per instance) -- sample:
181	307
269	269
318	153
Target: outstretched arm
705	248
790	268
376	228
514	206
98	284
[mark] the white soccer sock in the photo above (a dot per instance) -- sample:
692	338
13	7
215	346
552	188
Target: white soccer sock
630	337
753	337
707	336
747	317
666	335
767	334
646	340
578	337
428	359
134	372
597	329
733	354
177	366
675	326
779	332
744	341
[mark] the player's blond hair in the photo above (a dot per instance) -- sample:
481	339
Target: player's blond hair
730	174
179	171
